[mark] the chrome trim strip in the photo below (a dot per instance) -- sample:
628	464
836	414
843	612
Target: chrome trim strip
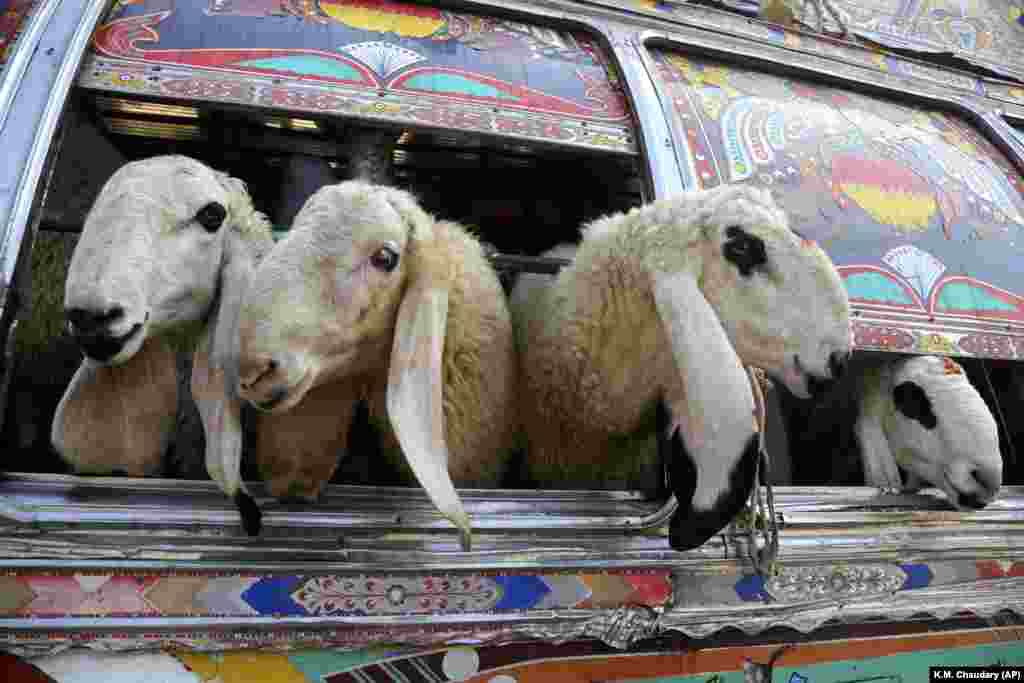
14	71
655	140
17	222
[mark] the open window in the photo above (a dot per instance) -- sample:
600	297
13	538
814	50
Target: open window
893	190
524	149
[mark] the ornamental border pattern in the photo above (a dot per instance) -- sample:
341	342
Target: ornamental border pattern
698	604
122	76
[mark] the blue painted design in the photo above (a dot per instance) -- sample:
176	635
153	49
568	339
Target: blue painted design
272	595
307	65
871	286
964	296
318	665
520	592
454	83
918	576
741	166
774	129
797	678
751	588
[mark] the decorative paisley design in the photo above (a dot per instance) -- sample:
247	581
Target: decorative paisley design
798	584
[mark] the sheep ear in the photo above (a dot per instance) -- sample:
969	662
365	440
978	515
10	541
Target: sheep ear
716	419
214	373
878	460
415	397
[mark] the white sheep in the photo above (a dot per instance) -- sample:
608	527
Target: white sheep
923	415
168	243
369	297
665	304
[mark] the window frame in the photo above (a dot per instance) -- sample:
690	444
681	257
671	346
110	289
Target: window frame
96	525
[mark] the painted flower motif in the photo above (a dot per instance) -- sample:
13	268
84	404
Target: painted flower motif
120	79
327	595
936	343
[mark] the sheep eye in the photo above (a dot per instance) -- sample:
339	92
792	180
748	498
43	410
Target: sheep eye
211	216
385	259
744	250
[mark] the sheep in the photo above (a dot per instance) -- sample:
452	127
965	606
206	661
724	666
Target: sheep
658	310
167	248
916	414
369	297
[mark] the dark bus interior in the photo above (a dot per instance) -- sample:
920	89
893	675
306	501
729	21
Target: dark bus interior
522	198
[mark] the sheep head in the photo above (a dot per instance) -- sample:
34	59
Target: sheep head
150	254
731	284
777	295
935	425
168	242
357	289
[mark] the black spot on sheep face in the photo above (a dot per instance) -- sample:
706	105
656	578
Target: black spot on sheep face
911	400
744	250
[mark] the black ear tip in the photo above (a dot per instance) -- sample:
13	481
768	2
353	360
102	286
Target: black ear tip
683	534
252	516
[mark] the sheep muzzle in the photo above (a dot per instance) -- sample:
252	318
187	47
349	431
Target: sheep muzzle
92	333
263	381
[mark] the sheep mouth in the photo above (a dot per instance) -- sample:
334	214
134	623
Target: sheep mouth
965	501
801	382
101	347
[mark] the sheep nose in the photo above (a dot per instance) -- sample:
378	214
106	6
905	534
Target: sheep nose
85	322
253	370
837	363
989	479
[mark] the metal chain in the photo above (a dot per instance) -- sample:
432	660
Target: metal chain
762	558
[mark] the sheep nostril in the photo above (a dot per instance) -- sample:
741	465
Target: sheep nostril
988	481
84	321
259	374
837	364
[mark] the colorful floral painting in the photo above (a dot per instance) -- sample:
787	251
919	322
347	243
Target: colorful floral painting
920	211
376	45
882	660
987	32
13	14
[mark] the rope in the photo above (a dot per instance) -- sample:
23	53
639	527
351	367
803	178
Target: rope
763	559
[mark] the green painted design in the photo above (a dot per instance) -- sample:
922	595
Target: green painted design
454	83
306	65
910	666
316	665
964	296
871	286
